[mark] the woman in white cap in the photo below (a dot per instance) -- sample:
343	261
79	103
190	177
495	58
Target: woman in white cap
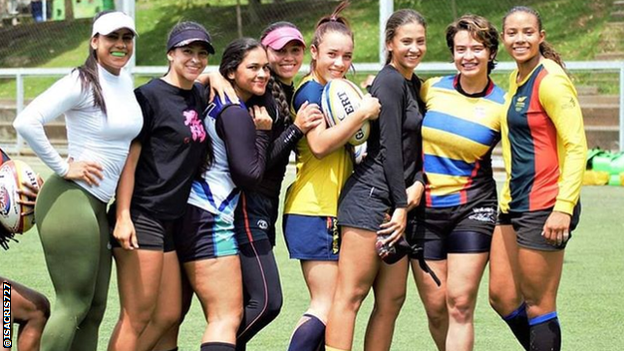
171	151
102	117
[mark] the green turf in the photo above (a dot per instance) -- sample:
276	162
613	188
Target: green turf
591	308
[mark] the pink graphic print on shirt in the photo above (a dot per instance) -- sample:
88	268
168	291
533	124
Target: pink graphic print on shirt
195	125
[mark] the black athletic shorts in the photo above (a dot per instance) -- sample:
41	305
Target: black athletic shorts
255	218
438	223
455	243
151	232
458	229
529	226
363	206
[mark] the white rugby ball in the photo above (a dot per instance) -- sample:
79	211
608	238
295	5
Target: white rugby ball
341	98
12	174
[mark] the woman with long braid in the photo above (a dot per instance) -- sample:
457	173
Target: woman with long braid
257	210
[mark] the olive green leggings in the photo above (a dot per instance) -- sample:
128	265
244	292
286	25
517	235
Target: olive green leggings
74	234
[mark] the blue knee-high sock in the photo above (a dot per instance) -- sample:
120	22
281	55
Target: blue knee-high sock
217	346
545	332
309	336
518	322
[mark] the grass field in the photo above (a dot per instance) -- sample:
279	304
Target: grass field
591	307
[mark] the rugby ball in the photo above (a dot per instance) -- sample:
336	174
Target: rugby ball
12	174
341	98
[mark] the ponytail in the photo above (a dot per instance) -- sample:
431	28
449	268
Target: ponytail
331	23
549	52
88	73
89	78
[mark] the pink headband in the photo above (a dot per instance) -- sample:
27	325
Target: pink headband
281	36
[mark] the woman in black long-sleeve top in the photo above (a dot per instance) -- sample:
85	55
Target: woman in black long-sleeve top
378	196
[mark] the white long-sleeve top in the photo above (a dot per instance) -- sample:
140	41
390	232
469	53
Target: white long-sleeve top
91	134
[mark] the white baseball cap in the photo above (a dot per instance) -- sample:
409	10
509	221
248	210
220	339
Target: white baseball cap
111	22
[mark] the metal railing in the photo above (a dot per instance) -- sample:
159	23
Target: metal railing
424	68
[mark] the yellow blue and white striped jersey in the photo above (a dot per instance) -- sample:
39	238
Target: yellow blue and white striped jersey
459	133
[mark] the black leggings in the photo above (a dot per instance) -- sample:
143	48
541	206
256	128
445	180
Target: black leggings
261	287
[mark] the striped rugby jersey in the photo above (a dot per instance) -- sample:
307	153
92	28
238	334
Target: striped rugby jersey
543	140
459	133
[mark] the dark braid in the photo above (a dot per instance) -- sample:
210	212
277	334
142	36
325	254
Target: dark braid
89	75
280	100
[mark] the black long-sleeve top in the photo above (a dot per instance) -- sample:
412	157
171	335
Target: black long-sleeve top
284	136
236	129
394	146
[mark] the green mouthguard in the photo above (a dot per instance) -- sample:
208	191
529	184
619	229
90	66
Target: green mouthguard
118	54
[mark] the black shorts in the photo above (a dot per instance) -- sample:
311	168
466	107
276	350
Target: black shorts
455	243
203	235
529	226
151	232
363	206
458	229
255	218
438	223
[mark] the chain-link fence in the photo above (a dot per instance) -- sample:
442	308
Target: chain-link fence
581	30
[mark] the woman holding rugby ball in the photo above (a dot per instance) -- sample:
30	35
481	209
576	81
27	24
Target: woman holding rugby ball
102	117
388	183
323	165
459	131
154	188
544	149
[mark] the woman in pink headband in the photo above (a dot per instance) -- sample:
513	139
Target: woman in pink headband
257	211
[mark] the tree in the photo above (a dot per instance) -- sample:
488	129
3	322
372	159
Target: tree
454	9
254	11
69	9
